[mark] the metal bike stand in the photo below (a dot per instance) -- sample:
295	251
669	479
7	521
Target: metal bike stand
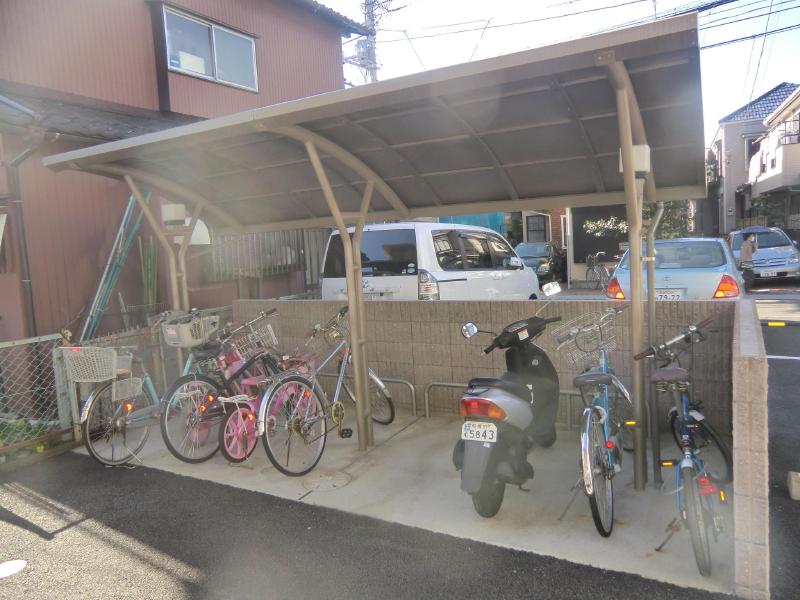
404	382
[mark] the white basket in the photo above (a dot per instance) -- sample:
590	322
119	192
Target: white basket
260	339
90	364
127	388
188	335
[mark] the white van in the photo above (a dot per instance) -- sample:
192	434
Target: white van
431	261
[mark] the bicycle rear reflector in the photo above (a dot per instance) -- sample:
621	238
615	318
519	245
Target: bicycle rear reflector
722	497
706	487
610	444
630	423
128	406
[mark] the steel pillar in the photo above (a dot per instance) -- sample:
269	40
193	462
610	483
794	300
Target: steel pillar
183	276
354	299
655	440
633	197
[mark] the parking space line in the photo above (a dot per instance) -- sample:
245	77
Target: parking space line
783	357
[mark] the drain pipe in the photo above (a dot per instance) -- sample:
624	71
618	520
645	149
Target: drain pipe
655	440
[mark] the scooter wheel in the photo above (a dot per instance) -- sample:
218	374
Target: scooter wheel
489	498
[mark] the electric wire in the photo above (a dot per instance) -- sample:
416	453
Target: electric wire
750	37
767	14
760	54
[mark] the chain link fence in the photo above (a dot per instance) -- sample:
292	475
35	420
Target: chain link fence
35	408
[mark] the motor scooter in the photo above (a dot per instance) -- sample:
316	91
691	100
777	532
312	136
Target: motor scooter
505	416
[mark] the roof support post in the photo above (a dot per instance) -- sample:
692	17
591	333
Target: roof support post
175	298
634	189
354	300
182	274
655	440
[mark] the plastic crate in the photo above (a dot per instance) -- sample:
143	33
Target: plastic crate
196	332
90	364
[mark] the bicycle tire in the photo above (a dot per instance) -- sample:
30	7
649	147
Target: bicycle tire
283	402
191	427
695	518
99	408
605	276
593	277
595	473
707	437
381	404
238	435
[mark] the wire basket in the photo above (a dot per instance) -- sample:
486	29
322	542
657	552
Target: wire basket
581	339
127	388
196	332
256	341
208	366
90	364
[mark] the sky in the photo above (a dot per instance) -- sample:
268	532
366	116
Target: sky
732	75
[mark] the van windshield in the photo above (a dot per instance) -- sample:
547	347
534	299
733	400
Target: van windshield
383	252
773	239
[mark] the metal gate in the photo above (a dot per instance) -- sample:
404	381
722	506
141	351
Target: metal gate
35	408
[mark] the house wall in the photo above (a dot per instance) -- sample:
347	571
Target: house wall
734	167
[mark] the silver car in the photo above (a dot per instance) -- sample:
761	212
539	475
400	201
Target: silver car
776	256
686	269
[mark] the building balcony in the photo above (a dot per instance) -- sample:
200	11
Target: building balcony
777	166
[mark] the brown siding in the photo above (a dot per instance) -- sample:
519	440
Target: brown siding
97	48
297	55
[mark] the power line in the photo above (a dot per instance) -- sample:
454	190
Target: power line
766	14
540	19
760	54
751	37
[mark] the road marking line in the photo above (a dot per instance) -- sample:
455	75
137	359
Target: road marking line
783	357
776	324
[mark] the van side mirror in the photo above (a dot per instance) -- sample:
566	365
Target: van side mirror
515	263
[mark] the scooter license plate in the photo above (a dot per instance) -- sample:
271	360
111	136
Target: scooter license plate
479	431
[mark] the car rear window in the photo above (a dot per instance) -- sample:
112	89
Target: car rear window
685	255
383	252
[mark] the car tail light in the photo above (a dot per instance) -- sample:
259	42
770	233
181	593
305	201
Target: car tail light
428	286
481	407
727	288
614	290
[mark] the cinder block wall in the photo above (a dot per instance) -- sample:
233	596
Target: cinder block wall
421	342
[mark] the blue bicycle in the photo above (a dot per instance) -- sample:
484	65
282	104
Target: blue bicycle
706	461
606	420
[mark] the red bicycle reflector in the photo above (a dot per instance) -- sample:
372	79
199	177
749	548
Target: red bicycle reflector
610	444
128	406
481	407
251	417
727	288
703	480
708	490
210	398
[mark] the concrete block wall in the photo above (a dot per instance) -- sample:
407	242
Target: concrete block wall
750	455
421	342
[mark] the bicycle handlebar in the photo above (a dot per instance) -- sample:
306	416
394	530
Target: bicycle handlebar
684	336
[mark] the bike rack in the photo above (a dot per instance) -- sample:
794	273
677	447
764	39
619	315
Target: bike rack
461	386
404	382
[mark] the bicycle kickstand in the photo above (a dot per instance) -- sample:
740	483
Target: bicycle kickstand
673	528
574	489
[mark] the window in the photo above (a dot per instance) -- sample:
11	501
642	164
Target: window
383	252
209	51
685	255
448	250
536	226
502	252
751	147
564	232
477	255
773	239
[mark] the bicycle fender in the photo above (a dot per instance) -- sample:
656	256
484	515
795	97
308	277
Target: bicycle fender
377	381
86	406
687	462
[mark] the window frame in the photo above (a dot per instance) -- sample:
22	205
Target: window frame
498	266
212	47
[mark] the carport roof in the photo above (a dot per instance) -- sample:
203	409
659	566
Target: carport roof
534	129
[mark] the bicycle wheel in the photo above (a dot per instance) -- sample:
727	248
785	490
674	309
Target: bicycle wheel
381	404
296	427
108	436
695	518
597	480
237	434
189	422
622	411
605	276
592	277
709	446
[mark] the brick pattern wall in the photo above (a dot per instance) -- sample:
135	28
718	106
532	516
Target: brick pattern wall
421	342
555	225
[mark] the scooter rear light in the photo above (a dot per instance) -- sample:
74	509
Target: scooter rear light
481	407
614	290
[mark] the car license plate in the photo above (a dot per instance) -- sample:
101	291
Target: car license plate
479	431
669	294
769	273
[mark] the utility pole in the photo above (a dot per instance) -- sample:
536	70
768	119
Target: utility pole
370	54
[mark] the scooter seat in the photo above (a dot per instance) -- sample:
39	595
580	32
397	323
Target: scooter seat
670	374
506	381
592	378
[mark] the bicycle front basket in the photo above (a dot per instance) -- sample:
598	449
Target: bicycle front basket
580	339
194	333
90	364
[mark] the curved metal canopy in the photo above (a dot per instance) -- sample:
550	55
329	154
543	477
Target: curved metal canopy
535	129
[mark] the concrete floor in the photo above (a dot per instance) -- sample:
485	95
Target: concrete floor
408	478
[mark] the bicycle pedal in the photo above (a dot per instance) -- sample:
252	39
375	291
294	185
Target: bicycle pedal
345	433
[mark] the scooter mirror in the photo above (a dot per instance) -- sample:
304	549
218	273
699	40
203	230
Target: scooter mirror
469	329
550	289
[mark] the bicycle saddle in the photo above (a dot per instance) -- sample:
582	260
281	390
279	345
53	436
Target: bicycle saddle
592	378
670	374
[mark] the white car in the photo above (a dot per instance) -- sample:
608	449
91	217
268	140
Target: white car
686	269
431	261
776	256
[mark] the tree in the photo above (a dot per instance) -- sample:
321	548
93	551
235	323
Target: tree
674	223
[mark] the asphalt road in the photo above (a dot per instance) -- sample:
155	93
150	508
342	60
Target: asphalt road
91	532
784	432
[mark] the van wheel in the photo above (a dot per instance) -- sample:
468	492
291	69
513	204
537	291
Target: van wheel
532	297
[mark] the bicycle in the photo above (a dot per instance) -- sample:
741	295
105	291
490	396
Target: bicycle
586	342
193	412
596	272
702	468
297	409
